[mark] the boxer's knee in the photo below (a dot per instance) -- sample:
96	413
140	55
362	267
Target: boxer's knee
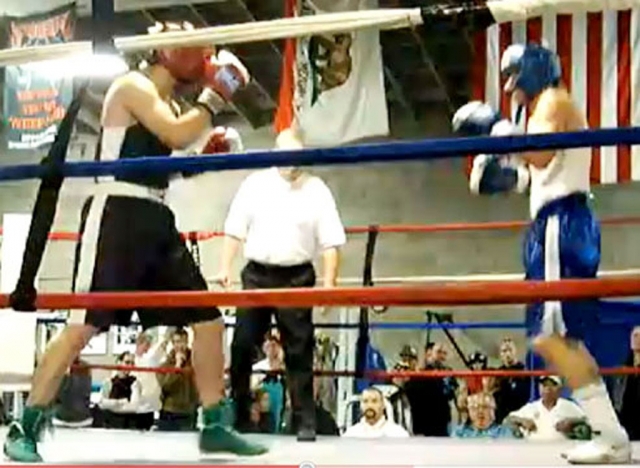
76	336
544	344
211	329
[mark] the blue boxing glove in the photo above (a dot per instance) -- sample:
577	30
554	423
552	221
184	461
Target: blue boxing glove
493	174
475	118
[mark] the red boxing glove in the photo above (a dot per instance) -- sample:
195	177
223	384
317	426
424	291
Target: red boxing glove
217	142
223	140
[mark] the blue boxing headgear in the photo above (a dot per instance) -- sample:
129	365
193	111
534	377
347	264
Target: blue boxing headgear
532	67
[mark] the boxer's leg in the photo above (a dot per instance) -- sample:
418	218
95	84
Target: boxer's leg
173	269
105	260
556	343
572	250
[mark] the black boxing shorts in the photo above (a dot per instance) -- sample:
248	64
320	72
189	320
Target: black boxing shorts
132	244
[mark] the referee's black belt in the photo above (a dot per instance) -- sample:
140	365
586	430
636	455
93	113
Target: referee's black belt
271	268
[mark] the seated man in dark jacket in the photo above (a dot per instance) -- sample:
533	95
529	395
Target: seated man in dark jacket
511	393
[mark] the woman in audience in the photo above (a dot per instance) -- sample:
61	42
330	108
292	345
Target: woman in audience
120	397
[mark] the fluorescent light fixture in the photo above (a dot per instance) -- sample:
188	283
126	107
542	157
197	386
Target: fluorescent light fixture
82	65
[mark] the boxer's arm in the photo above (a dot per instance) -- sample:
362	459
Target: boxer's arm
548	117
142	101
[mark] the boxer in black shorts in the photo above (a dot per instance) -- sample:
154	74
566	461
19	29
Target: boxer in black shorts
129	241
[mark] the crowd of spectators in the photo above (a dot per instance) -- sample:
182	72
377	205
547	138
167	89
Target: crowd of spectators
469	407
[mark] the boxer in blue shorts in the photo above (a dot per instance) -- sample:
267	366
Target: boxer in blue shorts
563	239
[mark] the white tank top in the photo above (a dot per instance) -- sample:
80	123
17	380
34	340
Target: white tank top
567	173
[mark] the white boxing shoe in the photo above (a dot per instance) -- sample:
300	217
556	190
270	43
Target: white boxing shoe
599	452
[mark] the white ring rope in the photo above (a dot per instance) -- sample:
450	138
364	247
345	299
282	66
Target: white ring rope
355	281
324	23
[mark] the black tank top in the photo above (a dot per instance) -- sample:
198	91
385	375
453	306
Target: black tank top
139	142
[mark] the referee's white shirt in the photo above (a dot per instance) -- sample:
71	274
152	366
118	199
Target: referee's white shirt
284	223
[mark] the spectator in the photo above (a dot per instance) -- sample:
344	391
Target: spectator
285	218
260	417
325	422
273	358
551	417
272	382
72	407
178	391
462	396
325	359
482	421
374	423
626	390
148	355
408	362
430	398
120	397
476	384
409	357
511	392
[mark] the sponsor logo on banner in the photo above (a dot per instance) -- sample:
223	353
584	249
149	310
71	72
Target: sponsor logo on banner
332	85
37	95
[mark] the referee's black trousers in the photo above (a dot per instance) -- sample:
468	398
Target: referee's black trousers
297	335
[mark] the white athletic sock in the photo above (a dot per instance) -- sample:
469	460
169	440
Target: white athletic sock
594	400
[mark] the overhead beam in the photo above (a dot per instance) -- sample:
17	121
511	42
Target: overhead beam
398	93
249	15
428	61
243	5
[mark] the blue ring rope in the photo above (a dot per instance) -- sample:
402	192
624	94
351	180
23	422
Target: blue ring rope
438	148
385	325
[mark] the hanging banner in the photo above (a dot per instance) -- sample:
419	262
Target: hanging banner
332	86
36	96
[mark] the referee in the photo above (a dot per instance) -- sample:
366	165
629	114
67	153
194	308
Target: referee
284	217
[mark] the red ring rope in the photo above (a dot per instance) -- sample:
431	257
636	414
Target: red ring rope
433	294
387	228
424	374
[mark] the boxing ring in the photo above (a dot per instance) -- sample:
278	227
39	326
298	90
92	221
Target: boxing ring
94	447
107	447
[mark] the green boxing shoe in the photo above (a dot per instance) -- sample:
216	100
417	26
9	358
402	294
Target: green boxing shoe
21	444
218	436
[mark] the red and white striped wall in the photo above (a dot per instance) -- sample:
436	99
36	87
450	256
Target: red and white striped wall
600	54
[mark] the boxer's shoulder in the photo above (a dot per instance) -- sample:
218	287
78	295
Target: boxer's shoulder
134	83
553	105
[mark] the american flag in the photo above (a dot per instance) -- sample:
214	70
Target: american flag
600	55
